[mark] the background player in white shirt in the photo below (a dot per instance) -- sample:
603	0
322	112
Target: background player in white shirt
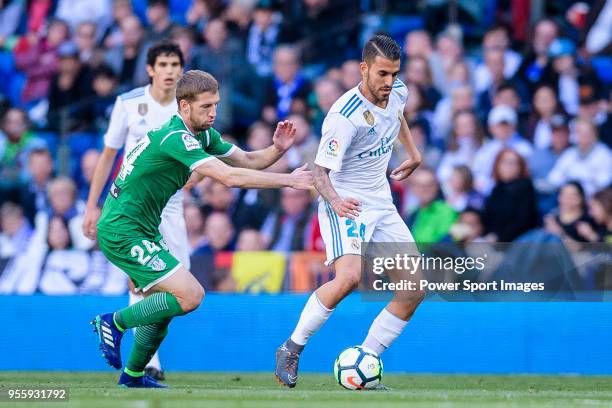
134	114
356	204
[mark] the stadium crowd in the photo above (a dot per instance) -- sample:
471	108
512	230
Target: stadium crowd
514	120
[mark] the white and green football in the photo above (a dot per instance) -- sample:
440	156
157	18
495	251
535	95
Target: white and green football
358	368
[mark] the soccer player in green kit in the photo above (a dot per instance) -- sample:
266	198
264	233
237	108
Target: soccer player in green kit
182	151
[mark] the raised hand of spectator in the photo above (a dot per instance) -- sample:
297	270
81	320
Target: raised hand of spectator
284	135
551	225
586	231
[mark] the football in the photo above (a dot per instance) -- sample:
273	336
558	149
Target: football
358	368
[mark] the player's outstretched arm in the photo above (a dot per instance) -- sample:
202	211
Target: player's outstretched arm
100	176
283	139
406	168
345	207
300	178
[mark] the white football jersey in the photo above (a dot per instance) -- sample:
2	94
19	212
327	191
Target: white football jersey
134	114
357	142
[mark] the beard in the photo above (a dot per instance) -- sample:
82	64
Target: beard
198	126
377	92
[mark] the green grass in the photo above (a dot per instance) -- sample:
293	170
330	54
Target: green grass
228	390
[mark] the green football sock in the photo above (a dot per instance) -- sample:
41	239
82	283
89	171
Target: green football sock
146	342
153	309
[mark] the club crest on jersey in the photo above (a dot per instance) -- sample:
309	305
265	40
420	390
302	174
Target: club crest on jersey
157	264
143	108
333	146
369	118
190	142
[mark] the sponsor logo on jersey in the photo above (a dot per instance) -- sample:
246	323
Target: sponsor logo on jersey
190	142
143	108
384	148
333	147
369	118
157	264
114	191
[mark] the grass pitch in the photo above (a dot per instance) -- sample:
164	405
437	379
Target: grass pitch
228	390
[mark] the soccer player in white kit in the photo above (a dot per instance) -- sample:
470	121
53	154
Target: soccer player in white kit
356	204
134	114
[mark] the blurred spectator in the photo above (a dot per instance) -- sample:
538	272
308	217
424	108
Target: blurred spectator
262	38
128	60
417	72
326	30
469	227
305	147
589	162
194	220
285	229
259	136
219	233
466	137
502	123
88	166
238	16
542	161
104	84
202	11
511	209
419	129
418	43
495	68
571	212
459	190
545	106
218	198
600	211
113	37
433	218
351	74
496	38
417	108
71	84
33	195
158	17
563	73
75	12
15	230
250	240
85	39
37	57
288	91
596	106
185	39
461	98
62	193
223	57
449	51
536	59
16	140
327	91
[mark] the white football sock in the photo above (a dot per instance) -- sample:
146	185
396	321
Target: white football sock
385	328
135	298
312	318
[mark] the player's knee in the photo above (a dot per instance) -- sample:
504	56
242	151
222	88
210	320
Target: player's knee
349	281
192	298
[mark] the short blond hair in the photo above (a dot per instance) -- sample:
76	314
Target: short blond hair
193	83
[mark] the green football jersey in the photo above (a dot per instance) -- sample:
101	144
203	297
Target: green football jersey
152	172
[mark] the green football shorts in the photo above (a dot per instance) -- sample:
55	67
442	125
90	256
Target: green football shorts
146	261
